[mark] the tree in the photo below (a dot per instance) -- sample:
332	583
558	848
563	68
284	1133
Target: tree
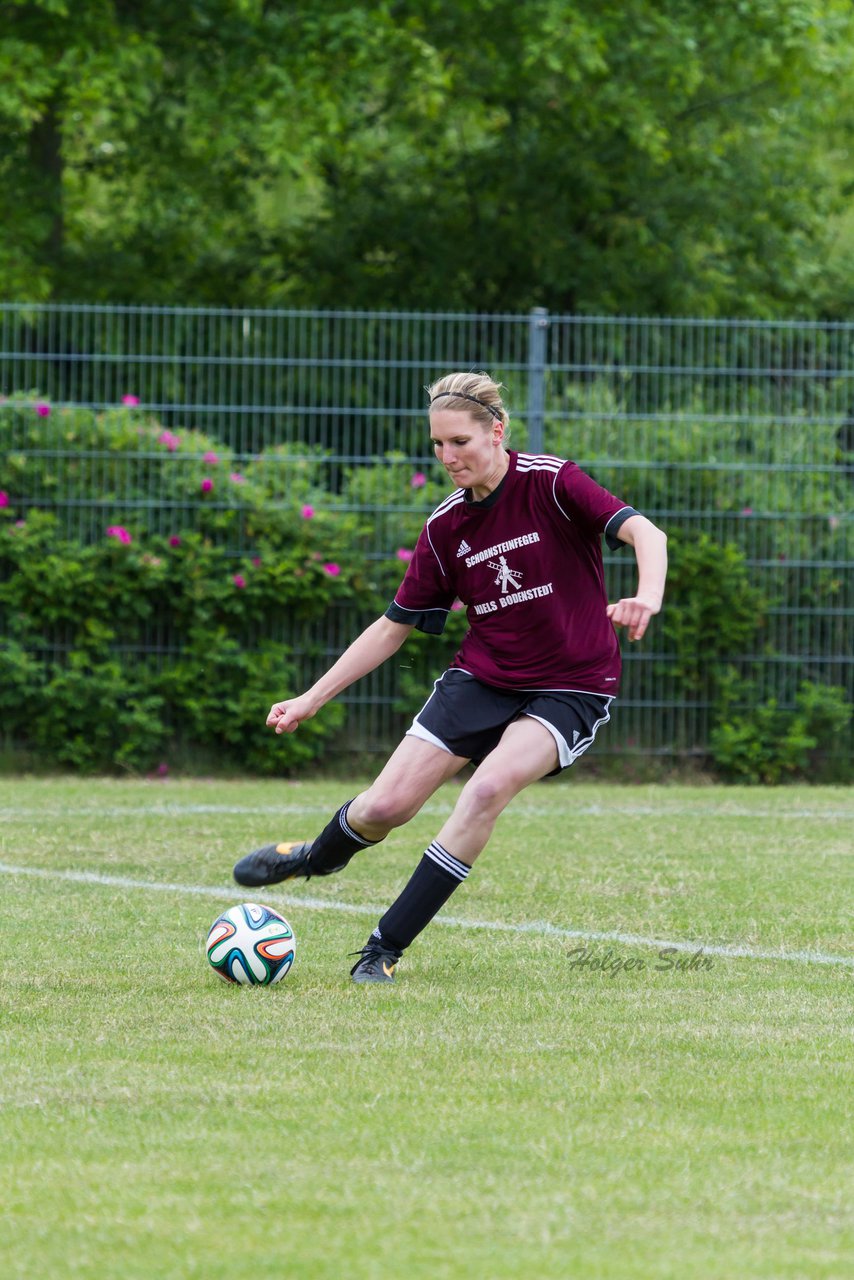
651	156
654	156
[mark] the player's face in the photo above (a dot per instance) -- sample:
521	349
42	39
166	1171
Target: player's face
472	455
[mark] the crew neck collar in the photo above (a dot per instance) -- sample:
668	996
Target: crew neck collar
483	504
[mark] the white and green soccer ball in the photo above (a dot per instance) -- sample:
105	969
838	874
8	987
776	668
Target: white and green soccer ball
251	945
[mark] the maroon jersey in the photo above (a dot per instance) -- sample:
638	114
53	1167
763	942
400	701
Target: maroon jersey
527	564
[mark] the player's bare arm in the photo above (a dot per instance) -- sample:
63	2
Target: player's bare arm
650	548
369	650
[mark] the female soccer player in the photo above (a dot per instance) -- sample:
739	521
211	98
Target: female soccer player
519	542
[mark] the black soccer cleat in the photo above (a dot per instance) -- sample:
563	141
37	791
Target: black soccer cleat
376	963
275	863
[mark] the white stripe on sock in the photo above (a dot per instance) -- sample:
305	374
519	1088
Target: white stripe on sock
348	830
438	854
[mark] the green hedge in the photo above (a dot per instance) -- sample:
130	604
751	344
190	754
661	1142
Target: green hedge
77	686
152	586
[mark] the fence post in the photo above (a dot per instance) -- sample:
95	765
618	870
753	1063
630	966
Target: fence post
538	323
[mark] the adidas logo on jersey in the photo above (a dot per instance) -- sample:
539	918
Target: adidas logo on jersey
463	549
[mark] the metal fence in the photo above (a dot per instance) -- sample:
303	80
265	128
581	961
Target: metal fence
743	430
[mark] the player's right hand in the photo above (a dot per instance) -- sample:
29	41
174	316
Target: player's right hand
287	716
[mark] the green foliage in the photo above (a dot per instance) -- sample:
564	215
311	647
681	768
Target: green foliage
223	693
22	681
161	618
712	615
394	498
649	157
122	469
75	687
768	744
98	713
689	445
116	460
714	618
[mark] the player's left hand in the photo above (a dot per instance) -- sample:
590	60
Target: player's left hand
633	613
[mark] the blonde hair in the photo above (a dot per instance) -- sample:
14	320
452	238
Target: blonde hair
473	393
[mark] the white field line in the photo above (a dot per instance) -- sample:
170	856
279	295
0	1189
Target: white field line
540	928
566	809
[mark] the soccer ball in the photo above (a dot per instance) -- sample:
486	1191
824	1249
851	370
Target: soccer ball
251	945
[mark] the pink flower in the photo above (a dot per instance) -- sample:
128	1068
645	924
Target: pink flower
4	498
403	553
130	400
332	569
207	484
456	606
747	511
256	560
237	478
239	580
118	531
20	524
169	439
162	769
174	541
418	480
307	512
210	457
43	410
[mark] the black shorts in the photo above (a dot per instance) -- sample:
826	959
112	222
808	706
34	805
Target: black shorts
467	718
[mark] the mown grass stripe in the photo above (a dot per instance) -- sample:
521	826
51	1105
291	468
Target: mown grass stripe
540	928
10	813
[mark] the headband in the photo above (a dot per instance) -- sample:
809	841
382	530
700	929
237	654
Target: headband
461	395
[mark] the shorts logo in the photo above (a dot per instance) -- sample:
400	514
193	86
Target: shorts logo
464	549
506	576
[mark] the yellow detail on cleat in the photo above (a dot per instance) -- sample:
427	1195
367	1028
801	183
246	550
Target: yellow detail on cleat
388	970
288	847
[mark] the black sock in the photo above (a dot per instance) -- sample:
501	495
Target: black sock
433	881
336	844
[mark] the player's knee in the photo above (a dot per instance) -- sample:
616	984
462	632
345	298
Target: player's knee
487	794
385	809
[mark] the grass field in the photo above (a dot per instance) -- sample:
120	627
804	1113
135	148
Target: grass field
506	1109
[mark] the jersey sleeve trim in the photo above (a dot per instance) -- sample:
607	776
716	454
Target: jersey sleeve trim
430	621
618	519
